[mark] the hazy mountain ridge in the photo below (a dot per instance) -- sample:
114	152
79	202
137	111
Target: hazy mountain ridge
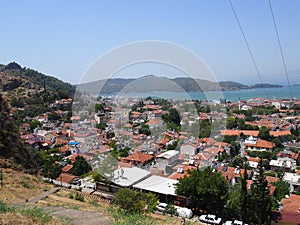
152	83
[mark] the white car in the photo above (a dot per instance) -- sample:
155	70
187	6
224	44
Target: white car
184	212
209	218
161	207
235	222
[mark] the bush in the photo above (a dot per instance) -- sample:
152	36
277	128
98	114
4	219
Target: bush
135	202
70	195
5	208
79	197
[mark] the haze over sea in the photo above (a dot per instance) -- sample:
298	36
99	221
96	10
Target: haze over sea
233	96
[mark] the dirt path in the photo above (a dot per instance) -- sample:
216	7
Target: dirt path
79	217
44	195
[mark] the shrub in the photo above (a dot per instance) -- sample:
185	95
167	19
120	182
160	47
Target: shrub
79	197
70	195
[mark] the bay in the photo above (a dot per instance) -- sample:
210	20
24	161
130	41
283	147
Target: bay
232	96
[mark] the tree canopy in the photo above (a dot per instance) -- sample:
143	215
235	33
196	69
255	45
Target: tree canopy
80	166
208	190
135	202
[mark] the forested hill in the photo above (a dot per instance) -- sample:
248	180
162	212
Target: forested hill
34	78
154	83
11	147
30	93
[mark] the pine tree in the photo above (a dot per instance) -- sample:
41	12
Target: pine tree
260	199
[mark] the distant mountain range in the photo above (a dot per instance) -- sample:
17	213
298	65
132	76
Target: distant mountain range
13	77
153	83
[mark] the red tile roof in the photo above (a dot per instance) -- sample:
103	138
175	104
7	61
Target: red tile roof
66	177
238	132
67	168
63	149
138	157
261	144
280	133
231	172
291	204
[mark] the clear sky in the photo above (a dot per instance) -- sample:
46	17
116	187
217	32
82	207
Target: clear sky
62	38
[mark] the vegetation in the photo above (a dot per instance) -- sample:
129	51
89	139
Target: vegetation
33	215
135	202
260	201
172	119
208	190
79	197
205	129
11	147
80	166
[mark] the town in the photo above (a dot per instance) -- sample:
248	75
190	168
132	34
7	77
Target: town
162	146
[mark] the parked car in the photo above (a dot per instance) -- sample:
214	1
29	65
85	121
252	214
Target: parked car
235	222
178	211
184	212
161	207
211	219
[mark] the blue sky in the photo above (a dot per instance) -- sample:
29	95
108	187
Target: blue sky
63	38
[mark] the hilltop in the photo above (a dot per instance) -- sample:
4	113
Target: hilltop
14	76
29	92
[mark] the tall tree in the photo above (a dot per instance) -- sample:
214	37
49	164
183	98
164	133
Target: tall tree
264	133
260	199
234	148
207	190
231	122
80	166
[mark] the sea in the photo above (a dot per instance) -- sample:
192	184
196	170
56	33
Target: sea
232	96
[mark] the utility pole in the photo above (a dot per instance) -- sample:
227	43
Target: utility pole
1	177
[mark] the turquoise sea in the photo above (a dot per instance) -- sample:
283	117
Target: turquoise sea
233	96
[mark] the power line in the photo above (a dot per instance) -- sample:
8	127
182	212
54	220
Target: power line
280	47
248	47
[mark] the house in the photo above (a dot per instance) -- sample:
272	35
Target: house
73	147
190	149
253	162
289	211
138	158
155	123
24	129
161	186
293	179
231	174
180	171
64	150
257	144
286	160
86	137
167	160
67	168
127	177
65	179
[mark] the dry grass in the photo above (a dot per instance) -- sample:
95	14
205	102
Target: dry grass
19	187
18	218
